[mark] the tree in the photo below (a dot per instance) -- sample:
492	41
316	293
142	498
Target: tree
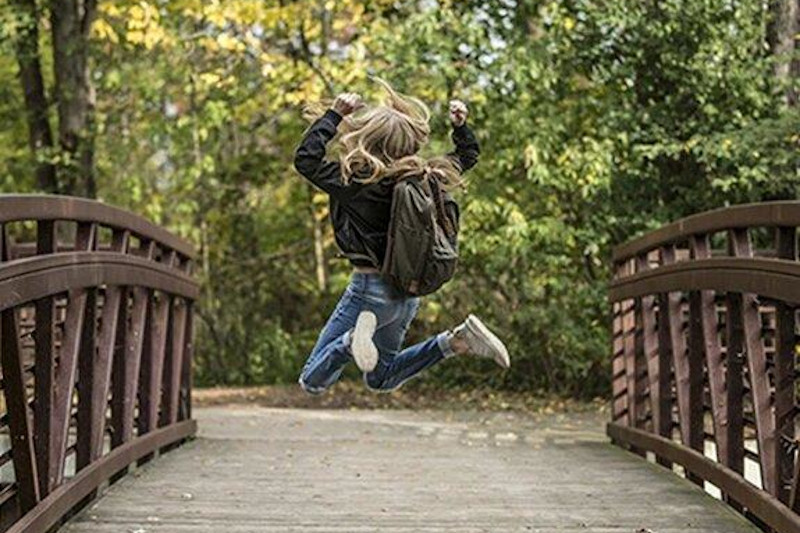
36	105
71	22
782	36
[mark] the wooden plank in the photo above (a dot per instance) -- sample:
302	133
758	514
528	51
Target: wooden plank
44	378
705	340
171	389
95	372
784	365
759	379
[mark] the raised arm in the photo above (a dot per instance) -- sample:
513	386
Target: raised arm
467	150
309	158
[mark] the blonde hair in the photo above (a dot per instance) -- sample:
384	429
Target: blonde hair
382	142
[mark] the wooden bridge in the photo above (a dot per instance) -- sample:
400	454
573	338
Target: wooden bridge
95	359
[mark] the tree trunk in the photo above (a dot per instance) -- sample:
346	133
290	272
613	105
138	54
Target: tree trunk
71	21
319	243
784	26
40	136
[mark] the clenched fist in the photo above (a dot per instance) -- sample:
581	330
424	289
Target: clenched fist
458	112
346	103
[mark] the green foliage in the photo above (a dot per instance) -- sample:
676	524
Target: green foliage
598	119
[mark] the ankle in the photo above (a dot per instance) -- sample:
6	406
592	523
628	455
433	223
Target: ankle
457	344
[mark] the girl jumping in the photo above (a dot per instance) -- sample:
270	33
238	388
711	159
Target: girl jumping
378	146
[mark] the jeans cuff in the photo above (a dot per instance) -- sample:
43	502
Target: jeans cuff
443	340
347	338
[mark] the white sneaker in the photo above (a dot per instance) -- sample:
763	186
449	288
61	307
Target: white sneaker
482	342
364	351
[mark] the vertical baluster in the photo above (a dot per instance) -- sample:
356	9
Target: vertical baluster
734	385
688	377
757	369
95	369
174	361
153	365
784	373
619	406
664	354
629	353
705	340
186	368
125	370
19	420
68	361
657	372
45	366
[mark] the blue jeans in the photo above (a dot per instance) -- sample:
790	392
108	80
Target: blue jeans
368	292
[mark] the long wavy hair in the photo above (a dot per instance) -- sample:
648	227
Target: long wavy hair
382	142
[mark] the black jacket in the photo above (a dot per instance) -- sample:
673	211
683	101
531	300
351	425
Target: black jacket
360	212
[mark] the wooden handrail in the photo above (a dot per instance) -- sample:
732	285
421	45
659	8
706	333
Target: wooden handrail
124	314
689	325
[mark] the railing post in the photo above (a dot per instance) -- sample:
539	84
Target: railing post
785	342
19	421
757	370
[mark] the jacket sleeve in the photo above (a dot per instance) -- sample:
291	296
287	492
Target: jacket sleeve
309	158
467	150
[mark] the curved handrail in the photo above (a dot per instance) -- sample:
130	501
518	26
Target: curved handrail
16	207
770	214
704	329
87	320
773	278
48	275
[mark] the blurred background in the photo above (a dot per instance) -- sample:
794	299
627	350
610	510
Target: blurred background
597	119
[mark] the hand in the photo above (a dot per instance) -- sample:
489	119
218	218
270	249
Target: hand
458	112
346	103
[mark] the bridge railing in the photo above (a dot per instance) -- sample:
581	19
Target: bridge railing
95	351
704	354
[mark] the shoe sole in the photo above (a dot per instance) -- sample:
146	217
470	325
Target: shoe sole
364	351
477	327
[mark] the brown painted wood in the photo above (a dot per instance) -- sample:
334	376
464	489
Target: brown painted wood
76	352
657	373
688	388
153	368
734	382
126	369
19	422
649	347
20	426
45	366
66	370
619	382
757	371
95	374
765	506
784	370
185	411
705	340
171	388
45	515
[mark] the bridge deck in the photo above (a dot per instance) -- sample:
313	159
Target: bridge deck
280	470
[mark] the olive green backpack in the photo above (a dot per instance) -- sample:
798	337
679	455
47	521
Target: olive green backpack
422	246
